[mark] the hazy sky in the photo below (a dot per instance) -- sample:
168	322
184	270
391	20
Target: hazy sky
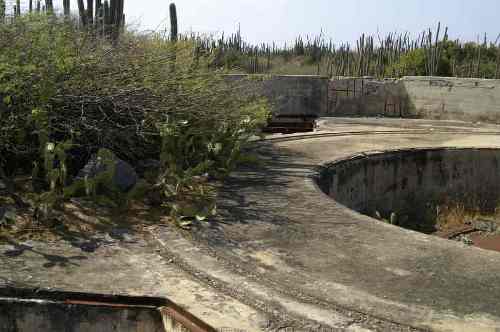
283	20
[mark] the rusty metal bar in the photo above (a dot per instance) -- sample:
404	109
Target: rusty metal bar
185	319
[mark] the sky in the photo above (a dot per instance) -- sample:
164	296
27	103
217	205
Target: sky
341	20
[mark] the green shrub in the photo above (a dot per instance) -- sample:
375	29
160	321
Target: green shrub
142	96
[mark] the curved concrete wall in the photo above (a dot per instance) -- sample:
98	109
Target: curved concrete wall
411	183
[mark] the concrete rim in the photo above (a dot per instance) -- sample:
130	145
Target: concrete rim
334	162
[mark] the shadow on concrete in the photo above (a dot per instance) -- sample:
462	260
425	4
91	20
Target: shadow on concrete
86	227
254	195
52	260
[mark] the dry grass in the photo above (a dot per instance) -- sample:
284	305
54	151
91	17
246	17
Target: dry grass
79	218
455	216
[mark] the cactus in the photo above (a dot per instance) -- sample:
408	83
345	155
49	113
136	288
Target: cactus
81	11
98	13
2	11
38	6
67	7
112	10
107	13
120	17
31	6
113	17
173	23
90	12
49	6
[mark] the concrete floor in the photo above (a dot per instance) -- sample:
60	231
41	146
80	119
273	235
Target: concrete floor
283	254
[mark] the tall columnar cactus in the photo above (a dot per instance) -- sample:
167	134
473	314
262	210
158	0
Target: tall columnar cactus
120	17
98	13
81	12
116	17
38	6
107	17
18	8
107	13
90	12
2	11
66	6
31	6
112	9
49	6
173	23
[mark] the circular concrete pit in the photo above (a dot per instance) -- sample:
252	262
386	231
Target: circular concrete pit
450	192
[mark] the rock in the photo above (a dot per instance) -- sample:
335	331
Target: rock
90	246
7	215
485	225
120	234
146	166
124	177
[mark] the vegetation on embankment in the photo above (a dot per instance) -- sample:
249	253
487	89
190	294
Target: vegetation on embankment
431	53
68	93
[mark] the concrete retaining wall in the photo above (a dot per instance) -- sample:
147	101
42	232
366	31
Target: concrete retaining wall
453	98
44	316
417	97
25	310
290	95
412	183
410	97
366	97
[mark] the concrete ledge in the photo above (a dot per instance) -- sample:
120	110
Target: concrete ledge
25	310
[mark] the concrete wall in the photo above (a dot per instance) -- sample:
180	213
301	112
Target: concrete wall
417	97
351	96
290	95
412	183
46	316
410	97
453	98
26	310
